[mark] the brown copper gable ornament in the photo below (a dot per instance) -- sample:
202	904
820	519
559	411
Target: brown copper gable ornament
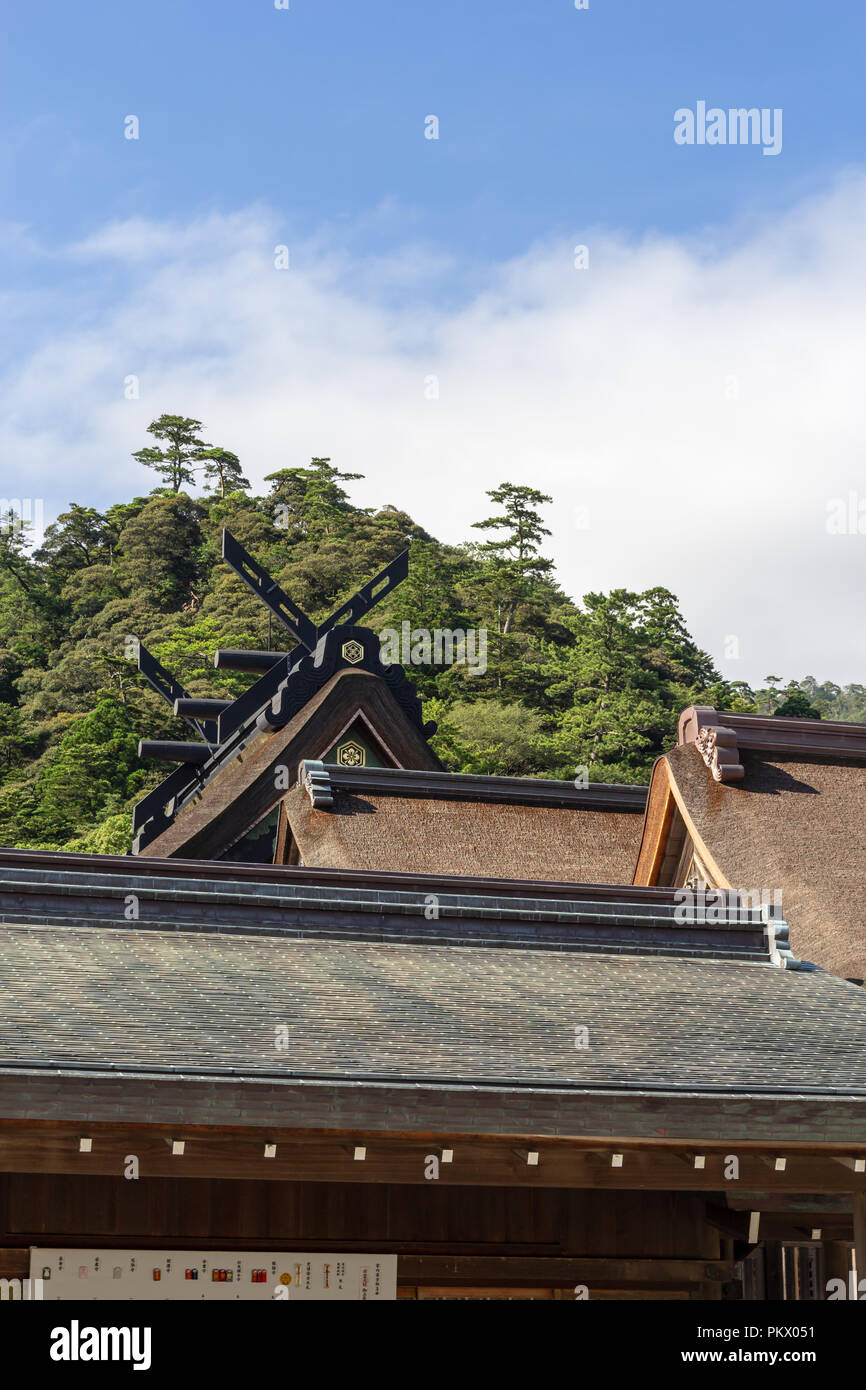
716	743
718	748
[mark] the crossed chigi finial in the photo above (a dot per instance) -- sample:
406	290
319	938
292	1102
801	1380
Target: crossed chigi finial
214	720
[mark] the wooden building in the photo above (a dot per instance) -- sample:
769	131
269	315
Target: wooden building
535	1040
777	803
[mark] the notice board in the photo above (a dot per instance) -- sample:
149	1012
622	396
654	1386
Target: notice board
228	1275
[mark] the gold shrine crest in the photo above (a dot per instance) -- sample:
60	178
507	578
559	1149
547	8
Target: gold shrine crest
353	652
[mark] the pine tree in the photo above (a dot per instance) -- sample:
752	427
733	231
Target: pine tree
223	467
183	448
310	501
514	559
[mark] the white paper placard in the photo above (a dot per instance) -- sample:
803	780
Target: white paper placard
229	1275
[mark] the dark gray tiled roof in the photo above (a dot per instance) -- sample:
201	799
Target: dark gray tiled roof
200	1002
585	917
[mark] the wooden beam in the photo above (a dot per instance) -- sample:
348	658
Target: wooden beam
831	1205
563	1272
796	1225
14	1262
778	1163
658	817
320	1157
675	1119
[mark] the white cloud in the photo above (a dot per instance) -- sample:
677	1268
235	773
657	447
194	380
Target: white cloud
703	400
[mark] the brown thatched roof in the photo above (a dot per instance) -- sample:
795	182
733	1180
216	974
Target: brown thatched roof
484	835
794	821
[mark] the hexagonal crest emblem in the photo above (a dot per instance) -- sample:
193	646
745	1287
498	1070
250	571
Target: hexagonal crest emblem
353	652
351	754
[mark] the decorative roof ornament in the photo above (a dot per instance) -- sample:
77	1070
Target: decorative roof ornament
353	652
287	680
779	948
315	669
773	733
717	746
717	742
164	683
314	777
351	754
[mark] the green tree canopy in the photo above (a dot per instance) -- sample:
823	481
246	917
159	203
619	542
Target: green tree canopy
182	449
223	469
596	684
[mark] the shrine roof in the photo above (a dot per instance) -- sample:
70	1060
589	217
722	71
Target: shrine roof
487	992
791	821
450	823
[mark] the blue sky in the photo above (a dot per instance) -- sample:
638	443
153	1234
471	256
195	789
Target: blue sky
700	381
551	118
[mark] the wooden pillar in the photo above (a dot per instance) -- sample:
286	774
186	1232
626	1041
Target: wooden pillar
773	1277
859	1200
754	1281
837	1262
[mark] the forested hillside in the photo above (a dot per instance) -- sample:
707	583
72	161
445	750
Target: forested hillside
596	683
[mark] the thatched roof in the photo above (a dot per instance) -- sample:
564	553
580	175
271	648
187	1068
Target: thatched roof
794	821
466	826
